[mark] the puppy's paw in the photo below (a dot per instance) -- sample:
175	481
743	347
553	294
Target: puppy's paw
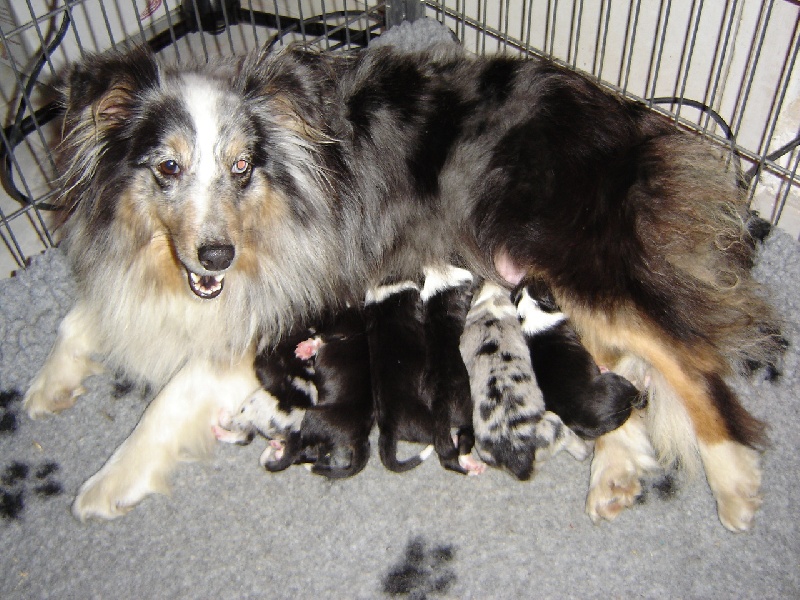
471	465
553	437
273	453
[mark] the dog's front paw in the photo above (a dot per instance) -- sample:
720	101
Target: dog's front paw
734	475
737	512
622	458
58	385
47	398
111	493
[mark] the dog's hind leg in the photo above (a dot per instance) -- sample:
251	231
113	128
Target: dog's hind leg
720	431
59	382
693	419
621	459
176	426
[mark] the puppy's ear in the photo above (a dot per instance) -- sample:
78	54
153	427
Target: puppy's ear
103	87
541	292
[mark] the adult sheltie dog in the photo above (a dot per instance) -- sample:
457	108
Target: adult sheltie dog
210	208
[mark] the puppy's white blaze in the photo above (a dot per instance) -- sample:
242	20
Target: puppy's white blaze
382	292
534	319
439	279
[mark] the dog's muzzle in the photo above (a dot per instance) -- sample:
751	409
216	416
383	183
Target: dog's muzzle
213	257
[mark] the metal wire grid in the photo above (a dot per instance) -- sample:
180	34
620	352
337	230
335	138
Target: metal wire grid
726	68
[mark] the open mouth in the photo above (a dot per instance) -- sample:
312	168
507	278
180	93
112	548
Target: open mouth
205	286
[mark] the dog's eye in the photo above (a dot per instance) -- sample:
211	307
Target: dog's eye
240	167
169	167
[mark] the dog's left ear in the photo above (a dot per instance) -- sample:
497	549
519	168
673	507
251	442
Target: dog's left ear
293	85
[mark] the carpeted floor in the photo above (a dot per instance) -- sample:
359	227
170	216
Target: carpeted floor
231	530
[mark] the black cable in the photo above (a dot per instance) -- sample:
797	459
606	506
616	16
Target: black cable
772	156
22	127
752	171
702	107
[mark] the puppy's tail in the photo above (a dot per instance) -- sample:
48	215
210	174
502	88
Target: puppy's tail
387	448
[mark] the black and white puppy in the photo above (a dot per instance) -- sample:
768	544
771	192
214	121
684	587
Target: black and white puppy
512	428
316	401
403	401
446	297
591	401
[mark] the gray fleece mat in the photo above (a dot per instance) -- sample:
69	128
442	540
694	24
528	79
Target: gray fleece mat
232	530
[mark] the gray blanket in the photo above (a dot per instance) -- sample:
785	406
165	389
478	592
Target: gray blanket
232	530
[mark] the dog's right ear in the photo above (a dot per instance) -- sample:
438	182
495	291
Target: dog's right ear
103	87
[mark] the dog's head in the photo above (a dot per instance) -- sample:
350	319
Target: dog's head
193	166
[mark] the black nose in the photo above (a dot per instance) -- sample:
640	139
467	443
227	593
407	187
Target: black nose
216	257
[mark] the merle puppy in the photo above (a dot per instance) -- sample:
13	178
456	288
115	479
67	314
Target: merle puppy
512	428
591	401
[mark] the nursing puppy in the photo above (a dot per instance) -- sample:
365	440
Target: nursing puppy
210	207
446	297
589	401
403	400
315	405
512	429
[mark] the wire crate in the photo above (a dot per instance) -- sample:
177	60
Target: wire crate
725	68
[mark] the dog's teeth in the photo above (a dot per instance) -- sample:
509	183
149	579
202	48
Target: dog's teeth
206	286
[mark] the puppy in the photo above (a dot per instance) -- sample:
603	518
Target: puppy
512	429
315	404
446	297
403	400
589	401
